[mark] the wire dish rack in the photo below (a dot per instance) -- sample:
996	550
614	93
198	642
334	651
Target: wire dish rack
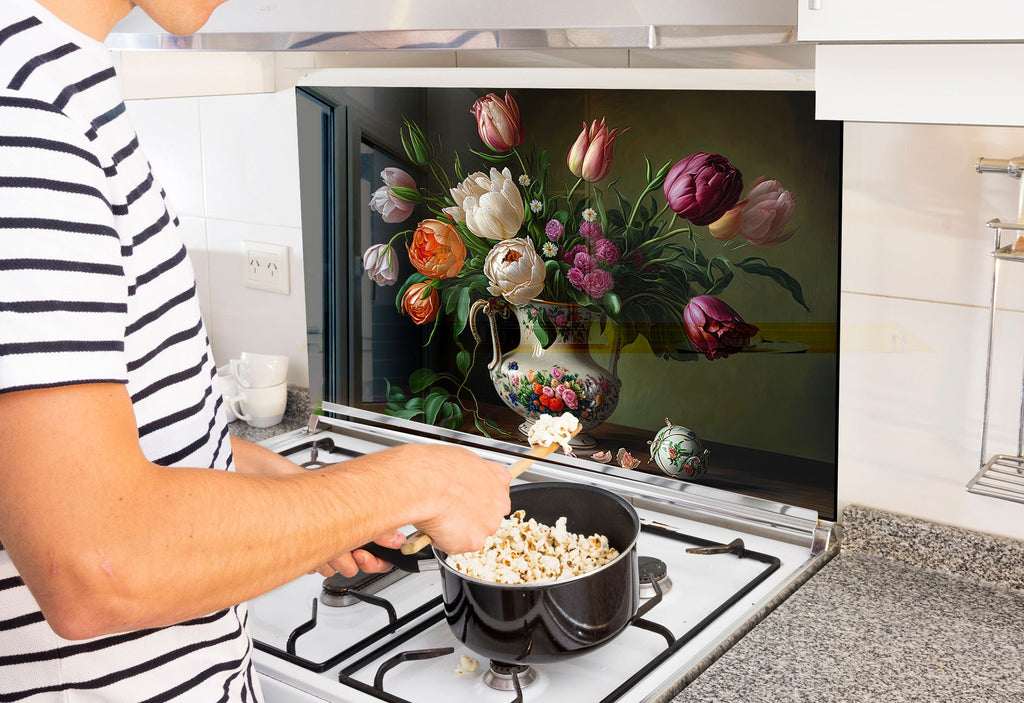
1002	475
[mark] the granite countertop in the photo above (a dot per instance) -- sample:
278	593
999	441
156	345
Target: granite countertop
296	415
909	610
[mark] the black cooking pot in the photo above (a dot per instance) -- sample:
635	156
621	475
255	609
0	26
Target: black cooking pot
542	622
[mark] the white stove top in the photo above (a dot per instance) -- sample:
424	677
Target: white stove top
701	584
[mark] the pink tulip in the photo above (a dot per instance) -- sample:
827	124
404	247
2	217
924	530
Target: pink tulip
702	187
590	157
391	207
766	214
498	121
379	264
714	328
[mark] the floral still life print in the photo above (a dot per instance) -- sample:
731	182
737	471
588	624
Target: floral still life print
504	239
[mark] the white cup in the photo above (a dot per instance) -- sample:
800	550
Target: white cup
260	407
259	370
228	387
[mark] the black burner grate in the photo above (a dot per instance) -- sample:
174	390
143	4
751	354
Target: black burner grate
408	626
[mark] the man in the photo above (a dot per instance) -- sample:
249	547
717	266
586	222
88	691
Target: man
124	555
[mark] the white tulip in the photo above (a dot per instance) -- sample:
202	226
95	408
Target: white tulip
497	212
515	270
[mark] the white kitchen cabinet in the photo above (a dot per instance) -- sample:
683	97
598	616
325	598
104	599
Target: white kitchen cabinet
976	84
904	21
938	62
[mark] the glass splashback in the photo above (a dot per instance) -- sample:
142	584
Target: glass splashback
690	241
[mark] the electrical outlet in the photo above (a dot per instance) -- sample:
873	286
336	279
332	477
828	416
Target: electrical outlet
265	266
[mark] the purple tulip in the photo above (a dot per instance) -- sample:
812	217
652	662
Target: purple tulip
714	328
703	187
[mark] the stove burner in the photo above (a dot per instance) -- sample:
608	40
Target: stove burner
338	590
653	568
501	676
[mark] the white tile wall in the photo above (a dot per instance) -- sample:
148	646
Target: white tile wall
230	167
916	279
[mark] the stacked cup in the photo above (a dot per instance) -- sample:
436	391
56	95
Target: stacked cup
262	392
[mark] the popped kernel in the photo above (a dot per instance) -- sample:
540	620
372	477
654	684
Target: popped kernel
525	551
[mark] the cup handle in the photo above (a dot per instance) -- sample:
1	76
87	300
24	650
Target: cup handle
235	403
240	370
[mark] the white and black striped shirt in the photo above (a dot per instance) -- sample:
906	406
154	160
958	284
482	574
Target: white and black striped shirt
95	286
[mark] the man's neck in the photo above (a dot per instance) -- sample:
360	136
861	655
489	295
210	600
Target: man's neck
94	18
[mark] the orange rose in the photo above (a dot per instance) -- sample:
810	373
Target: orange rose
420	306
436	249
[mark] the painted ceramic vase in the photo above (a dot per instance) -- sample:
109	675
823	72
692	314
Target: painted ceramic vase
679	452
563	377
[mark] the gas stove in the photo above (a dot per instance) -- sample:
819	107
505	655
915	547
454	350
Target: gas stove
712	565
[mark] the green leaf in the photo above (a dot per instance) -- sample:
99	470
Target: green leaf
451	416
432	404
493	158
408	194
420	379
406	414
415	403
758	266
464	362
462	310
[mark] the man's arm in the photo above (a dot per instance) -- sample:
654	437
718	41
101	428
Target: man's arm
107	541
253	459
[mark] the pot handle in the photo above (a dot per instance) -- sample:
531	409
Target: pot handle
414	563
650	603
490	311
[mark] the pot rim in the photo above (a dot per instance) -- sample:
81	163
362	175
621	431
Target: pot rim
441	556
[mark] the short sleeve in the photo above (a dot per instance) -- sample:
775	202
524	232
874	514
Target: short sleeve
63	291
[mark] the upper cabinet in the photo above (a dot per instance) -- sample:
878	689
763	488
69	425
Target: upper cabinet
910	21
939	62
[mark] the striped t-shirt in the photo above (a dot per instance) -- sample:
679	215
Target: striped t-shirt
95	286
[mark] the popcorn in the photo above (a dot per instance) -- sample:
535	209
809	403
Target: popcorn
548	430
525	551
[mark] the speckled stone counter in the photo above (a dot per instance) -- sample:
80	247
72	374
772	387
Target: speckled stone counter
908	611
296	415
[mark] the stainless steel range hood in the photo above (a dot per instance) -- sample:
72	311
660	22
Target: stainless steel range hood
362	25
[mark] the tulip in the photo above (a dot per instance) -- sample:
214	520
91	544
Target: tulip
417	147
498	213
421	303
390	206
766	214
714	328
590	157
702	187
498	121
515	271
436	250
379	264
728	225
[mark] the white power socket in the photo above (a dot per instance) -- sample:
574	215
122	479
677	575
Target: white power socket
265	266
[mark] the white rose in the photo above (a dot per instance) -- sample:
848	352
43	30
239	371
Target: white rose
498	212
515	270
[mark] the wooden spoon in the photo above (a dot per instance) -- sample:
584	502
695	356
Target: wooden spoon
418	540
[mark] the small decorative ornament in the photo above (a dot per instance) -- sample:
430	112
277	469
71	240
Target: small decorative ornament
602	457
679	452
627	460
